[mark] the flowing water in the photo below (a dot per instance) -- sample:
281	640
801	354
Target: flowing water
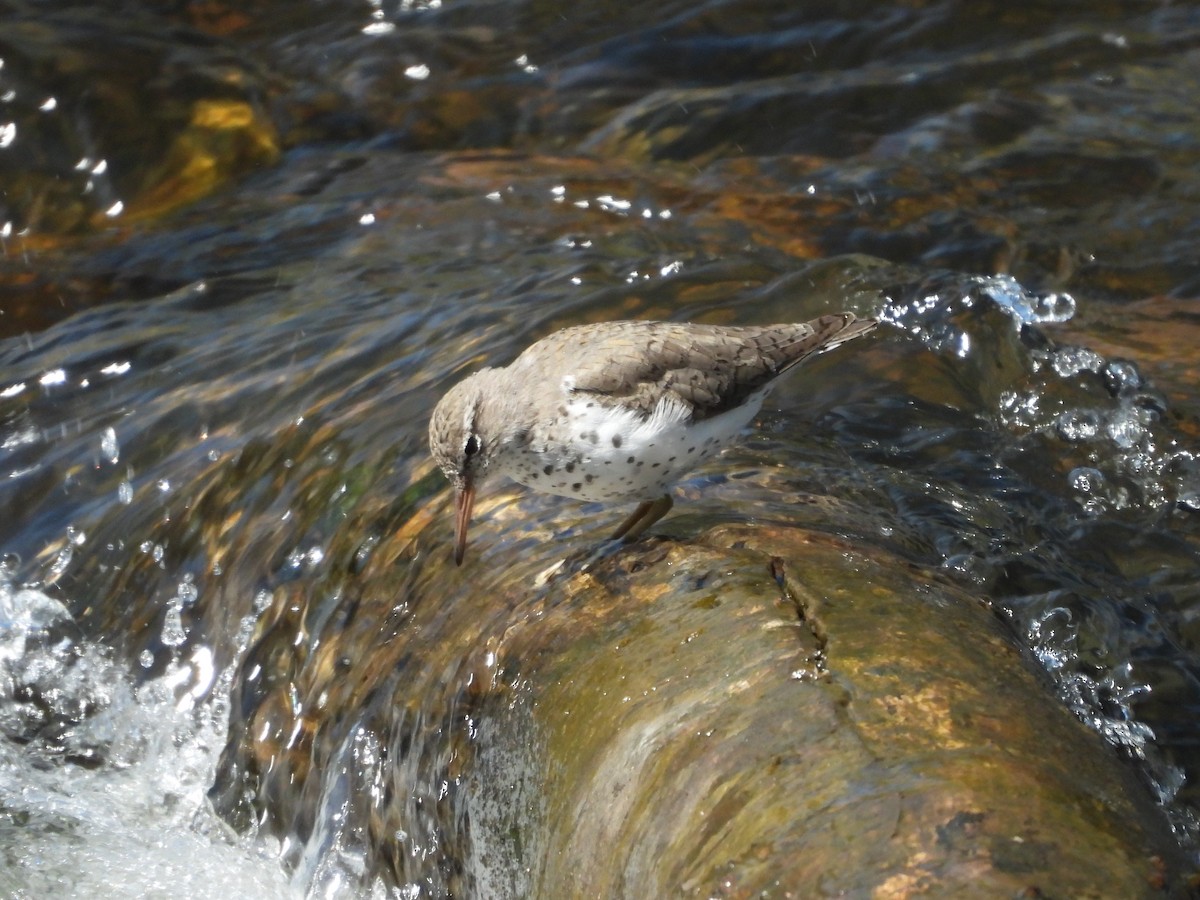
213	399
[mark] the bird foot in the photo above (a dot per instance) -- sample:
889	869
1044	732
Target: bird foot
647	513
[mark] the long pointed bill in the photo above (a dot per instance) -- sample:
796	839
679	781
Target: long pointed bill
464	500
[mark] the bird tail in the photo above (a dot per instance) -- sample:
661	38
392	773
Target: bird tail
843	327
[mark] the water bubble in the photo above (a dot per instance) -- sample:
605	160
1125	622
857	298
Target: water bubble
1141	464
1020	410
1086	480
1120	498
145	659
1078	425
1071	361
1125	431
125	493
1121	376
1055	307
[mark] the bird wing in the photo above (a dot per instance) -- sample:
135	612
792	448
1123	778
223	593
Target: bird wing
711	369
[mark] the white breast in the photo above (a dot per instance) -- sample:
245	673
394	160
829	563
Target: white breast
600	453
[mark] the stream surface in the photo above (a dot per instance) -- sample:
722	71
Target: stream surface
244	251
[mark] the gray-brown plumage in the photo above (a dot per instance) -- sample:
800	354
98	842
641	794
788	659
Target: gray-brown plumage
618	410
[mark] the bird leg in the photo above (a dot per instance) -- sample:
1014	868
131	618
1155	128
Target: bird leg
647	513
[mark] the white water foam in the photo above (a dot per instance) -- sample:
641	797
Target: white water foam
102	784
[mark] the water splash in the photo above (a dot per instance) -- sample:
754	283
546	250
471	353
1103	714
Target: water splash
1104	697
1082	452
931	314
104	780
1026	307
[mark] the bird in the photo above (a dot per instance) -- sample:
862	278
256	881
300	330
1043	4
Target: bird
617	411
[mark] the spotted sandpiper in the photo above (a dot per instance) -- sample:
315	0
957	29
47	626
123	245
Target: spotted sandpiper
617	410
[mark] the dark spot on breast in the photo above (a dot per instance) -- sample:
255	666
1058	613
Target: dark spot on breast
577	485
691	449
656	465
631	460
639	464
533	475
570	467
616	440
589	478
522	436
670	459
548	469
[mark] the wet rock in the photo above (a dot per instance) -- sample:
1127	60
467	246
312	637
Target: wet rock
773	710
759	709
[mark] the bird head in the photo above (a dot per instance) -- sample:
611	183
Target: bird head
461	449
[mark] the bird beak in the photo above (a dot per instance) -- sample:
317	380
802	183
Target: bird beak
464	499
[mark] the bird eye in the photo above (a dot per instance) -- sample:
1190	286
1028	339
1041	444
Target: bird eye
472	446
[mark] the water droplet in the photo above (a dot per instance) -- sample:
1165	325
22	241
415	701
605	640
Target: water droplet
1086	480
1024	306
187	592
173	633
